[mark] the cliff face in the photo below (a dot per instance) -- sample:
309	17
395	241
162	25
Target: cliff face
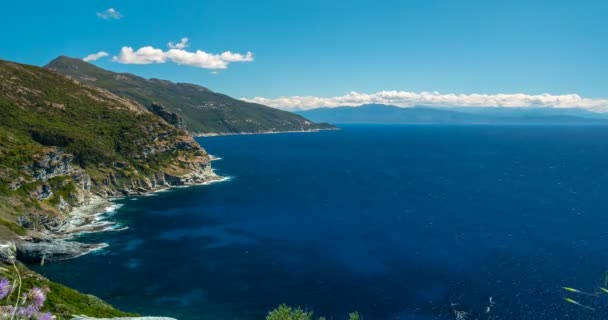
171	117
63	143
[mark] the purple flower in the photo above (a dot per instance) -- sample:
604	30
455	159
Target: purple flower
38	297
27	312
45	316
5	288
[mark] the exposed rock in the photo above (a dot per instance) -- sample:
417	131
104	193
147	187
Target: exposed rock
171	117
63	205
52	250
24	221
51	164
45	192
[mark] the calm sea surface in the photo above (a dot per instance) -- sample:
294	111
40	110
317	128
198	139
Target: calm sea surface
398	222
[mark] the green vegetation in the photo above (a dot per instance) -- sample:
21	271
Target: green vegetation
65	302
284	312
13	227
55	133
28	295
202	110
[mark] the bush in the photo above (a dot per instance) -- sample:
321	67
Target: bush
284	312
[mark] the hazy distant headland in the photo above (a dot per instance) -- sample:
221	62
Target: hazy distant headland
389	114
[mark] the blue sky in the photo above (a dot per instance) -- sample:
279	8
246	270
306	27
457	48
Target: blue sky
330	48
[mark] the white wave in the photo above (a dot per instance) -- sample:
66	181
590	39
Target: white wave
222	179
112	208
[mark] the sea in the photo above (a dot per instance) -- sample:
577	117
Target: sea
395	222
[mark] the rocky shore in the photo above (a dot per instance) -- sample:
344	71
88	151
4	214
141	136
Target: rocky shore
56	242
219	134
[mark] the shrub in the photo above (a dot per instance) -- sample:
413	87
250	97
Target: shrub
284	312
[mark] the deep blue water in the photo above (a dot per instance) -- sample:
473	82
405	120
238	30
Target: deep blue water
397	222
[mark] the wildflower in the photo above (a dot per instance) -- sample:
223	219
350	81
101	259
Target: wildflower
5	288
37	296
27	312
45	316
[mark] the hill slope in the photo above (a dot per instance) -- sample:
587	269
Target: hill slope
202	110
63	143
386	114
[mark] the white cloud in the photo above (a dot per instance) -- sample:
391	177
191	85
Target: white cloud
95	56
177	54
200	59
410	99
143	55
236	57
110	14
183	43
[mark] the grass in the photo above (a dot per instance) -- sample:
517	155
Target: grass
12	226
61	301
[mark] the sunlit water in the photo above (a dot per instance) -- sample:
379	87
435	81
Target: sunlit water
398	222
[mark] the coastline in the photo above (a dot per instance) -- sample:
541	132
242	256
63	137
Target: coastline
90	217
220	134
93	216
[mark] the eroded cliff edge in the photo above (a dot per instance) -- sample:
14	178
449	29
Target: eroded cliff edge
65	146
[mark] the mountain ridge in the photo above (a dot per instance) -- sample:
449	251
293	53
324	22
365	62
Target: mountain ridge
201	110
389	114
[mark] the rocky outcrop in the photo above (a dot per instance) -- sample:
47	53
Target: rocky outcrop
53	176
51	164
74	193
37	250
172	118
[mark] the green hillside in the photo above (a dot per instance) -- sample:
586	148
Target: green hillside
202	110
62	142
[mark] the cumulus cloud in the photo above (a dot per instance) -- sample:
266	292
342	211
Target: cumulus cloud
95	56
110	14
183	43
178	55
410	99
143	55
236	57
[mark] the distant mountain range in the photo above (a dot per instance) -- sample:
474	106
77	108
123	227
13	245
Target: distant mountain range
187	106
387	114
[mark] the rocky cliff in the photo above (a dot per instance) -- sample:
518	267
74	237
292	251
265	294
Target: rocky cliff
64	144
